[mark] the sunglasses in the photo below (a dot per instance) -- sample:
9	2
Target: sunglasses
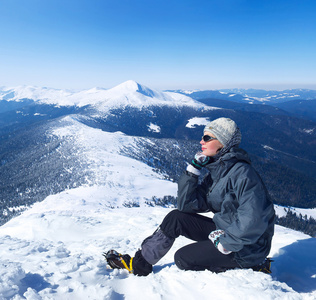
208	138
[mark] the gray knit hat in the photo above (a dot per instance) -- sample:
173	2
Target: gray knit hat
225	130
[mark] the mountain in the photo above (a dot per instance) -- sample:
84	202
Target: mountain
299	108
35	163
129	93
252	96
303	109
273	96
24	106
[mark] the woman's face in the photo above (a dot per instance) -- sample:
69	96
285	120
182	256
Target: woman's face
211	147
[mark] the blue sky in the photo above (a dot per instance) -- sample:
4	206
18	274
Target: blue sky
163	44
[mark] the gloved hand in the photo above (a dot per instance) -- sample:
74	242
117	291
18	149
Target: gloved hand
214	237
200	160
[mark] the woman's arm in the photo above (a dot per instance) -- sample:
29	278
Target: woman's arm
191	194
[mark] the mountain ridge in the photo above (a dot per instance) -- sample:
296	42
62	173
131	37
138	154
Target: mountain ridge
252	96
127	93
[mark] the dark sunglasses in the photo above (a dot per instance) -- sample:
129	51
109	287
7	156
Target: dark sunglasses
208	138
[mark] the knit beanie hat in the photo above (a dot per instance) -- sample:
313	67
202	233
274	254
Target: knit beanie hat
225	130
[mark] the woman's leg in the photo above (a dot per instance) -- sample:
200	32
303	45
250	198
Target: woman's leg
176	223
204	255
193	226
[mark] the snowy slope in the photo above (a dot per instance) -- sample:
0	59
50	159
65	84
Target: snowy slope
102	152
129	93
53	251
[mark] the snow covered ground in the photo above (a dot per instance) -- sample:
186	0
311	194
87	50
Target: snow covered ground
281	211
54	251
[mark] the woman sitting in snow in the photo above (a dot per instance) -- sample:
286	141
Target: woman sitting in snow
239	234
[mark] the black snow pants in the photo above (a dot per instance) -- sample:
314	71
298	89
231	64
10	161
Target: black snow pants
198	256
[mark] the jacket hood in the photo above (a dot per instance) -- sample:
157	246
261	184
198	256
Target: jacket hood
226	161
236	153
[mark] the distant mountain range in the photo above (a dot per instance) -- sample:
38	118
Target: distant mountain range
252	96
288	102
163	130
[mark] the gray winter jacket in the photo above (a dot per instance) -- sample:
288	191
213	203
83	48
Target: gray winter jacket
242	207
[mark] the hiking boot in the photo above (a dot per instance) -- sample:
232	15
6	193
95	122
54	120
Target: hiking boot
264	267
119	261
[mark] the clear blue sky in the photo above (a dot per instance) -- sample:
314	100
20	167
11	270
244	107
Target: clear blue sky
163	44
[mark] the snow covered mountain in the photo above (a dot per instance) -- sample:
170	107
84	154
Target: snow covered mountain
98	170
30	172
252	96
273	95
129	93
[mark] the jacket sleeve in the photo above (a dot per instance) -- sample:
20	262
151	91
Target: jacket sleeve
253	214
191	194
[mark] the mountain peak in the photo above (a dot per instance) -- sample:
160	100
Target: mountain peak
132	86
128	85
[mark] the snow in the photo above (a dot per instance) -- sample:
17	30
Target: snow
54	249
281	211
129	93
260	99
197	122
154	128
267	147
309	131
188	91
111	171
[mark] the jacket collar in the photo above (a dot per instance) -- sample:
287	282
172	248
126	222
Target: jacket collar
226	161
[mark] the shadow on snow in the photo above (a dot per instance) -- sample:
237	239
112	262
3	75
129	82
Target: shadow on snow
296	265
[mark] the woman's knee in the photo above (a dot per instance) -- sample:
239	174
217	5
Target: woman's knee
181	261
170	223
178	260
